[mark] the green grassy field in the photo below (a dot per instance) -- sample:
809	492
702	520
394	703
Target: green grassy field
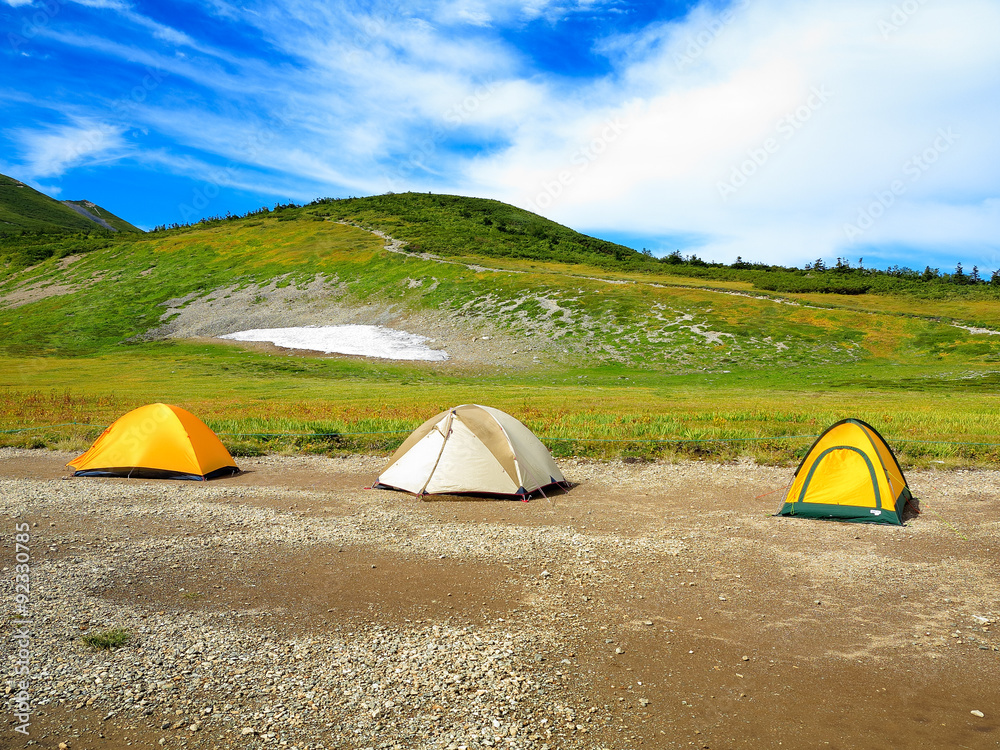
262	403
631	363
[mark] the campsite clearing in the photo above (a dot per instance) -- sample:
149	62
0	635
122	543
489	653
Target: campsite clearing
653	605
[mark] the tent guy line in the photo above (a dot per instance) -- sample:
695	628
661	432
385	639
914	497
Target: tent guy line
553	439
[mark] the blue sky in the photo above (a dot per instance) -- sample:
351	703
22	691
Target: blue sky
779	131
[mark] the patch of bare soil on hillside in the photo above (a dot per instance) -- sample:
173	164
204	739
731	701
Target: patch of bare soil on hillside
26	293
322	302
652	605
35	292
535	332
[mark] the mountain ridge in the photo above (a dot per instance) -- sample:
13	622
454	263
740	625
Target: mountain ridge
23	209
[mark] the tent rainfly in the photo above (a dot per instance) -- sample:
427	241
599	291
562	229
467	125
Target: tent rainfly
849	474
156	441
471	449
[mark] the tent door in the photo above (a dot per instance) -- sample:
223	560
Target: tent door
844	461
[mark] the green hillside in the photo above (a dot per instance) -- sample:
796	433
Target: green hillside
456	225
491	266
24	209
585	340
453	225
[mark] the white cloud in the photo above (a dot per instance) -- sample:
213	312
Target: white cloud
51	151
509	12
803	111
764	126
159	31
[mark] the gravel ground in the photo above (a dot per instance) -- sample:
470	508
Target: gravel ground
655	605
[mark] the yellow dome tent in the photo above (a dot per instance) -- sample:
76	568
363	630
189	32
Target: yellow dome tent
849	474
157	441
471	449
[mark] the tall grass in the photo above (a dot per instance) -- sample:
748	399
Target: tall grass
775	426
107	640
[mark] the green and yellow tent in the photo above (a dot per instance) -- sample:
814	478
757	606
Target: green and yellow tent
849	474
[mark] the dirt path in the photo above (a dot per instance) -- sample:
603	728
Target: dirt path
657	605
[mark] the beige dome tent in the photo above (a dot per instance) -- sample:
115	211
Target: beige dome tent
471	448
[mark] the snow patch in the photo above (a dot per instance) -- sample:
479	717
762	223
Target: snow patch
361	340
973	329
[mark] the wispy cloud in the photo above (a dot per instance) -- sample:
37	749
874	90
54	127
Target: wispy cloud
51	151
766	127
128	13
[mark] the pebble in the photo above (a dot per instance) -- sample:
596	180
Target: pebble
978	714
351	686
242	683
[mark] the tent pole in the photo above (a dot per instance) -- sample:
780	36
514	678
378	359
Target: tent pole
444	434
